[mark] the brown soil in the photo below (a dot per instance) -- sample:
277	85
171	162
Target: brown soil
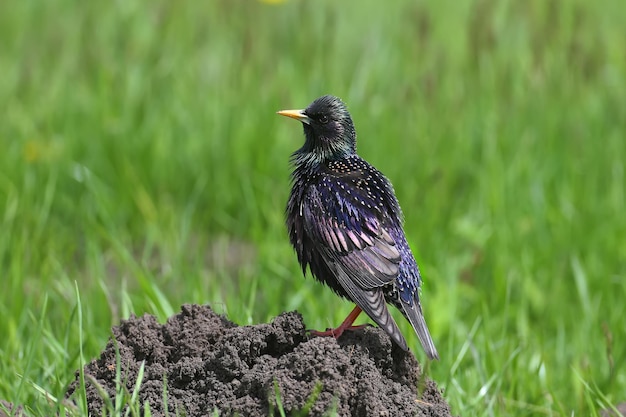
210	363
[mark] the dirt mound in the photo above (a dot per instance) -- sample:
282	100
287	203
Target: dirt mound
210	363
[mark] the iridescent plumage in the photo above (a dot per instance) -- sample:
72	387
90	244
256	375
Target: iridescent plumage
345	223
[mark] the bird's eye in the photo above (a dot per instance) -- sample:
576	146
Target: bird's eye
323	119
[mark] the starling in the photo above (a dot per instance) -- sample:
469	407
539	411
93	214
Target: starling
345	224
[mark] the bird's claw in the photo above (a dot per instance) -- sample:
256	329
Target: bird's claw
336	333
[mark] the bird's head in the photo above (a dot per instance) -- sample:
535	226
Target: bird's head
328	129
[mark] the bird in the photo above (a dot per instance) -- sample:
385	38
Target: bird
346	225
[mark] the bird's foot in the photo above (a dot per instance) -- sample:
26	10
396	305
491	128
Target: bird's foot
336	333
346	325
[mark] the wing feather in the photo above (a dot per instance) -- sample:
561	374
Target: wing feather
372	302
358	242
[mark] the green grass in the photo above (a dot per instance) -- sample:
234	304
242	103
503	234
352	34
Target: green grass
143	163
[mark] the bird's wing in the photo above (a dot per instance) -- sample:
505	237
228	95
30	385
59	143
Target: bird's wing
372	302
358	249
351	236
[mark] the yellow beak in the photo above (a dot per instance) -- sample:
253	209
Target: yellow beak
296	114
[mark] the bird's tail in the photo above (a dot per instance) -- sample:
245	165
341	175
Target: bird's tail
414	315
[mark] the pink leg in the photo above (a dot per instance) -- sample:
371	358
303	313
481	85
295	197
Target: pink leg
346	325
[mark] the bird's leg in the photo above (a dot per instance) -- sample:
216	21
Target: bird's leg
346	325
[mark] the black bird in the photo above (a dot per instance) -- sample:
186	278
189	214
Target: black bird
345	224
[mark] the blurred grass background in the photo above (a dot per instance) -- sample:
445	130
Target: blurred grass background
142	160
